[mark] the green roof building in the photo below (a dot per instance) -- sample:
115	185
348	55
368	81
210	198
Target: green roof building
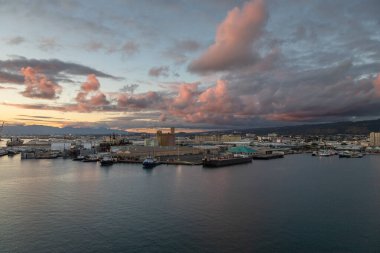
244	150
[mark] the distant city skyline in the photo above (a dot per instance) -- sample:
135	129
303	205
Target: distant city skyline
196	64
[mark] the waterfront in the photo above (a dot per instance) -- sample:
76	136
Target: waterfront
296	204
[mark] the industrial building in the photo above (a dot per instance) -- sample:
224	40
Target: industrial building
374	139
166	139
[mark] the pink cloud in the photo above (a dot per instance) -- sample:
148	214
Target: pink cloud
38	85
90	97
234	39
212	105
92	84
186	95
376	85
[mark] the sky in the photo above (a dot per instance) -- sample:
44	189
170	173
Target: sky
195	64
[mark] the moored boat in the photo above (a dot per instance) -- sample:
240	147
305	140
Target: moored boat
325	153
14	141
3	152
106	160
78	158
349	154
149	163
225	161
12	152
90	158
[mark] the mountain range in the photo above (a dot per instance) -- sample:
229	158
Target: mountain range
346	127
48	130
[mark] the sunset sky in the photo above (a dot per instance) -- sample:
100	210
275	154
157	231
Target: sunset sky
201	64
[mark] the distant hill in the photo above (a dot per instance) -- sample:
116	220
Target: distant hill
346	127
47	130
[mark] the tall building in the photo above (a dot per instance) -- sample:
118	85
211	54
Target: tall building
374	139
166	139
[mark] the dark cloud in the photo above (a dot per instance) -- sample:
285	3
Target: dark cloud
6	77
17	40
55	69
40	117
49	44
159	71
181	49
130	48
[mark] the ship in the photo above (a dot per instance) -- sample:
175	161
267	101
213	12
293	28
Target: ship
3	152
149	163
12	152
106	160
90	158
225	161
14	141
78	158
348	154
38	154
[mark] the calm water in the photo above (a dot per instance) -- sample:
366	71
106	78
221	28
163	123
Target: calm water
297	204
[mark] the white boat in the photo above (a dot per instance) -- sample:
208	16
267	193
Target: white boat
324	153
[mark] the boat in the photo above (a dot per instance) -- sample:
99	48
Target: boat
14	141
315	153
78	158
12	152
38	154
3	152
348	154
325	153
267	156
150	163
345	154
225	161
90	158
106	160
46	155
357	155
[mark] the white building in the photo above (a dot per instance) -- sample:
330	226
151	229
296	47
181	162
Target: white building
60	146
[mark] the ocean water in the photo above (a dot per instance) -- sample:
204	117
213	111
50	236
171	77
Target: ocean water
296	204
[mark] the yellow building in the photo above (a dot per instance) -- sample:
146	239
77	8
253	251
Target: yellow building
374	139
166	139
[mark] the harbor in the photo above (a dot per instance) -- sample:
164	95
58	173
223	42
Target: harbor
74	195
